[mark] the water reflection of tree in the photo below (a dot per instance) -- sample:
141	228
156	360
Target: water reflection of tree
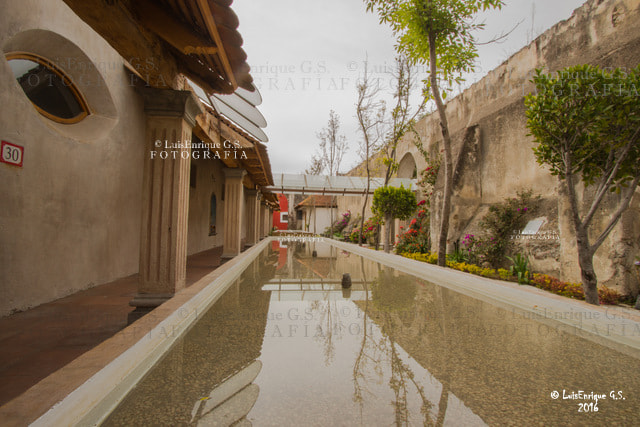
400	298
328	325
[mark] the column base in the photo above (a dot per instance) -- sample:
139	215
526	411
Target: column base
145	303
226	257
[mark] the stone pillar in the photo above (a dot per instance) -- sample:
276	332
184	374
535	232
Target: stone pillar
253	233
267	221
171	116
233	212
260	220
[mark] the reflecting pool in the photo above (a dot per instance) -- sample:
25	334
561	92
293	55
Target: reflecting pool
286	345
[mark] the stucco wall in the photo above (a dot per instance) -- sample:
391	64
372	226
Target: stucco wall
354	204
209	180
70	217
494	155
318	221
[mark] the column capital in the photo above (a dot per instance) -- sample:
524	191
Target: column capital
251	192
171	103
234	172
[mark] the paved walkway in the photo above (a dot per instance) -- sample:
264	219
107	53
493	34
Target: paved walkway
38	342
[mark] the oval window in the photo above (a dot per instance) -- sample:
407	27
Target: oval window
52	93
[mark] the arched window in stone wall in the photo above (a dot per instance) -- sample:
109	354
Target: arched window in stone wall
407	167
212	216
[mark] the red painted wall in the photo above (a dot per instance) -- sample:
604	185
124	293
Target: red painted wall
284	207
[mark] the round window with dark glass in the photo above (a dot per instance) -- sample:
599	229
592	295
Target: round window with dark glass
52	93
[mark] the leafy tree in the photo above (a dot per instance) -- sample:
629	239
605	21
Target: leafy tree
586	122
440	33
333	146
391	203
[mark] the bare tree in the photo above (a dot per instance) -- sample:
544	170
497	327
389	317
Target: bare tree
333	146
315	167
402	119
370	113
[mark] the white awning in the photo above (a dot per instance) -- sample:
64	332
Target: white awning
332	185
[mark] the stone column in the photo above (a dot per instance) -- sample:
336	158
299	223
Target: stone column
233	212
259	220
252	217
267	220
171	116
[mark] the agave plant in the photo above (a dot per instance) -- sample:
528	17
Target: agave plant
520	268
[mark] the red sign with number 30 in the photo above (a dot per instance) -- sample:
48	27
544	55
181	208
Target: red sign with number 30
11	153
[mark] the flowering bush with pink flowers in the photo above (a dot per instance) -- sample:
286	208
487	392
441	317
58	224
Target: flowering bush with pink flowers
416	239
370	233
500	223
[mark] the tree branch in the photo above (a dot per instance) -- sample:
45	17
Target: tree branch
602	188
616	216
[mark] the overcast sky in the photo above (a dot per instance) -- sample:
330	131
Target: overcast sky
307	55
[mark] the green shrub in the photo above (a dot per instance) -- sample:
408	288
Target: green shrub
520	268
499	224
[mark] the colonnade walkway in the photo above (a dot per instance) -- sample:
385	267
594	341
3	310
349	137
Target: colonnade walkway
39	341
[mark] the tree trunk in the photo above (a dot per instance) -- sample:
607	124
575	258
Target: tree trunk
585	251
387	233
446	142
366	196
587	272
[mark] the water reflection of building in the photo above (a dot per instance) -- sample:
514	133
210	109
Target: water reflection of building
224	344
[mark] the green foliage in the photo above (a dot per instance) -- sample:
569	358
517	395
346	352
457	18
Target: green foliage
502	220
458	256
449	23
520	268
586	121
394	202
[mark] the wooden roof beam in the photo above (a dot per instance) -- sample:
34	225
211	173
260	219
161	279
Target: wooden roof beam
170	30
207	16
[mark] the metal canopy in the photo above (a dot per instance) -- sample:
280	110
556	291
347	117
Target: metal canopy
237	108
332	185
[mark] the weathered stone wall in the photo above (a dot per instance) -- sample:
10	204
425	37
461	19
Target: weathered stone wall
493	155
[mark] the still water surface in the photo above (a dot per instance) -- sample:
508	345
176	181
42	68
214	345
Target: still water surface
286	346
